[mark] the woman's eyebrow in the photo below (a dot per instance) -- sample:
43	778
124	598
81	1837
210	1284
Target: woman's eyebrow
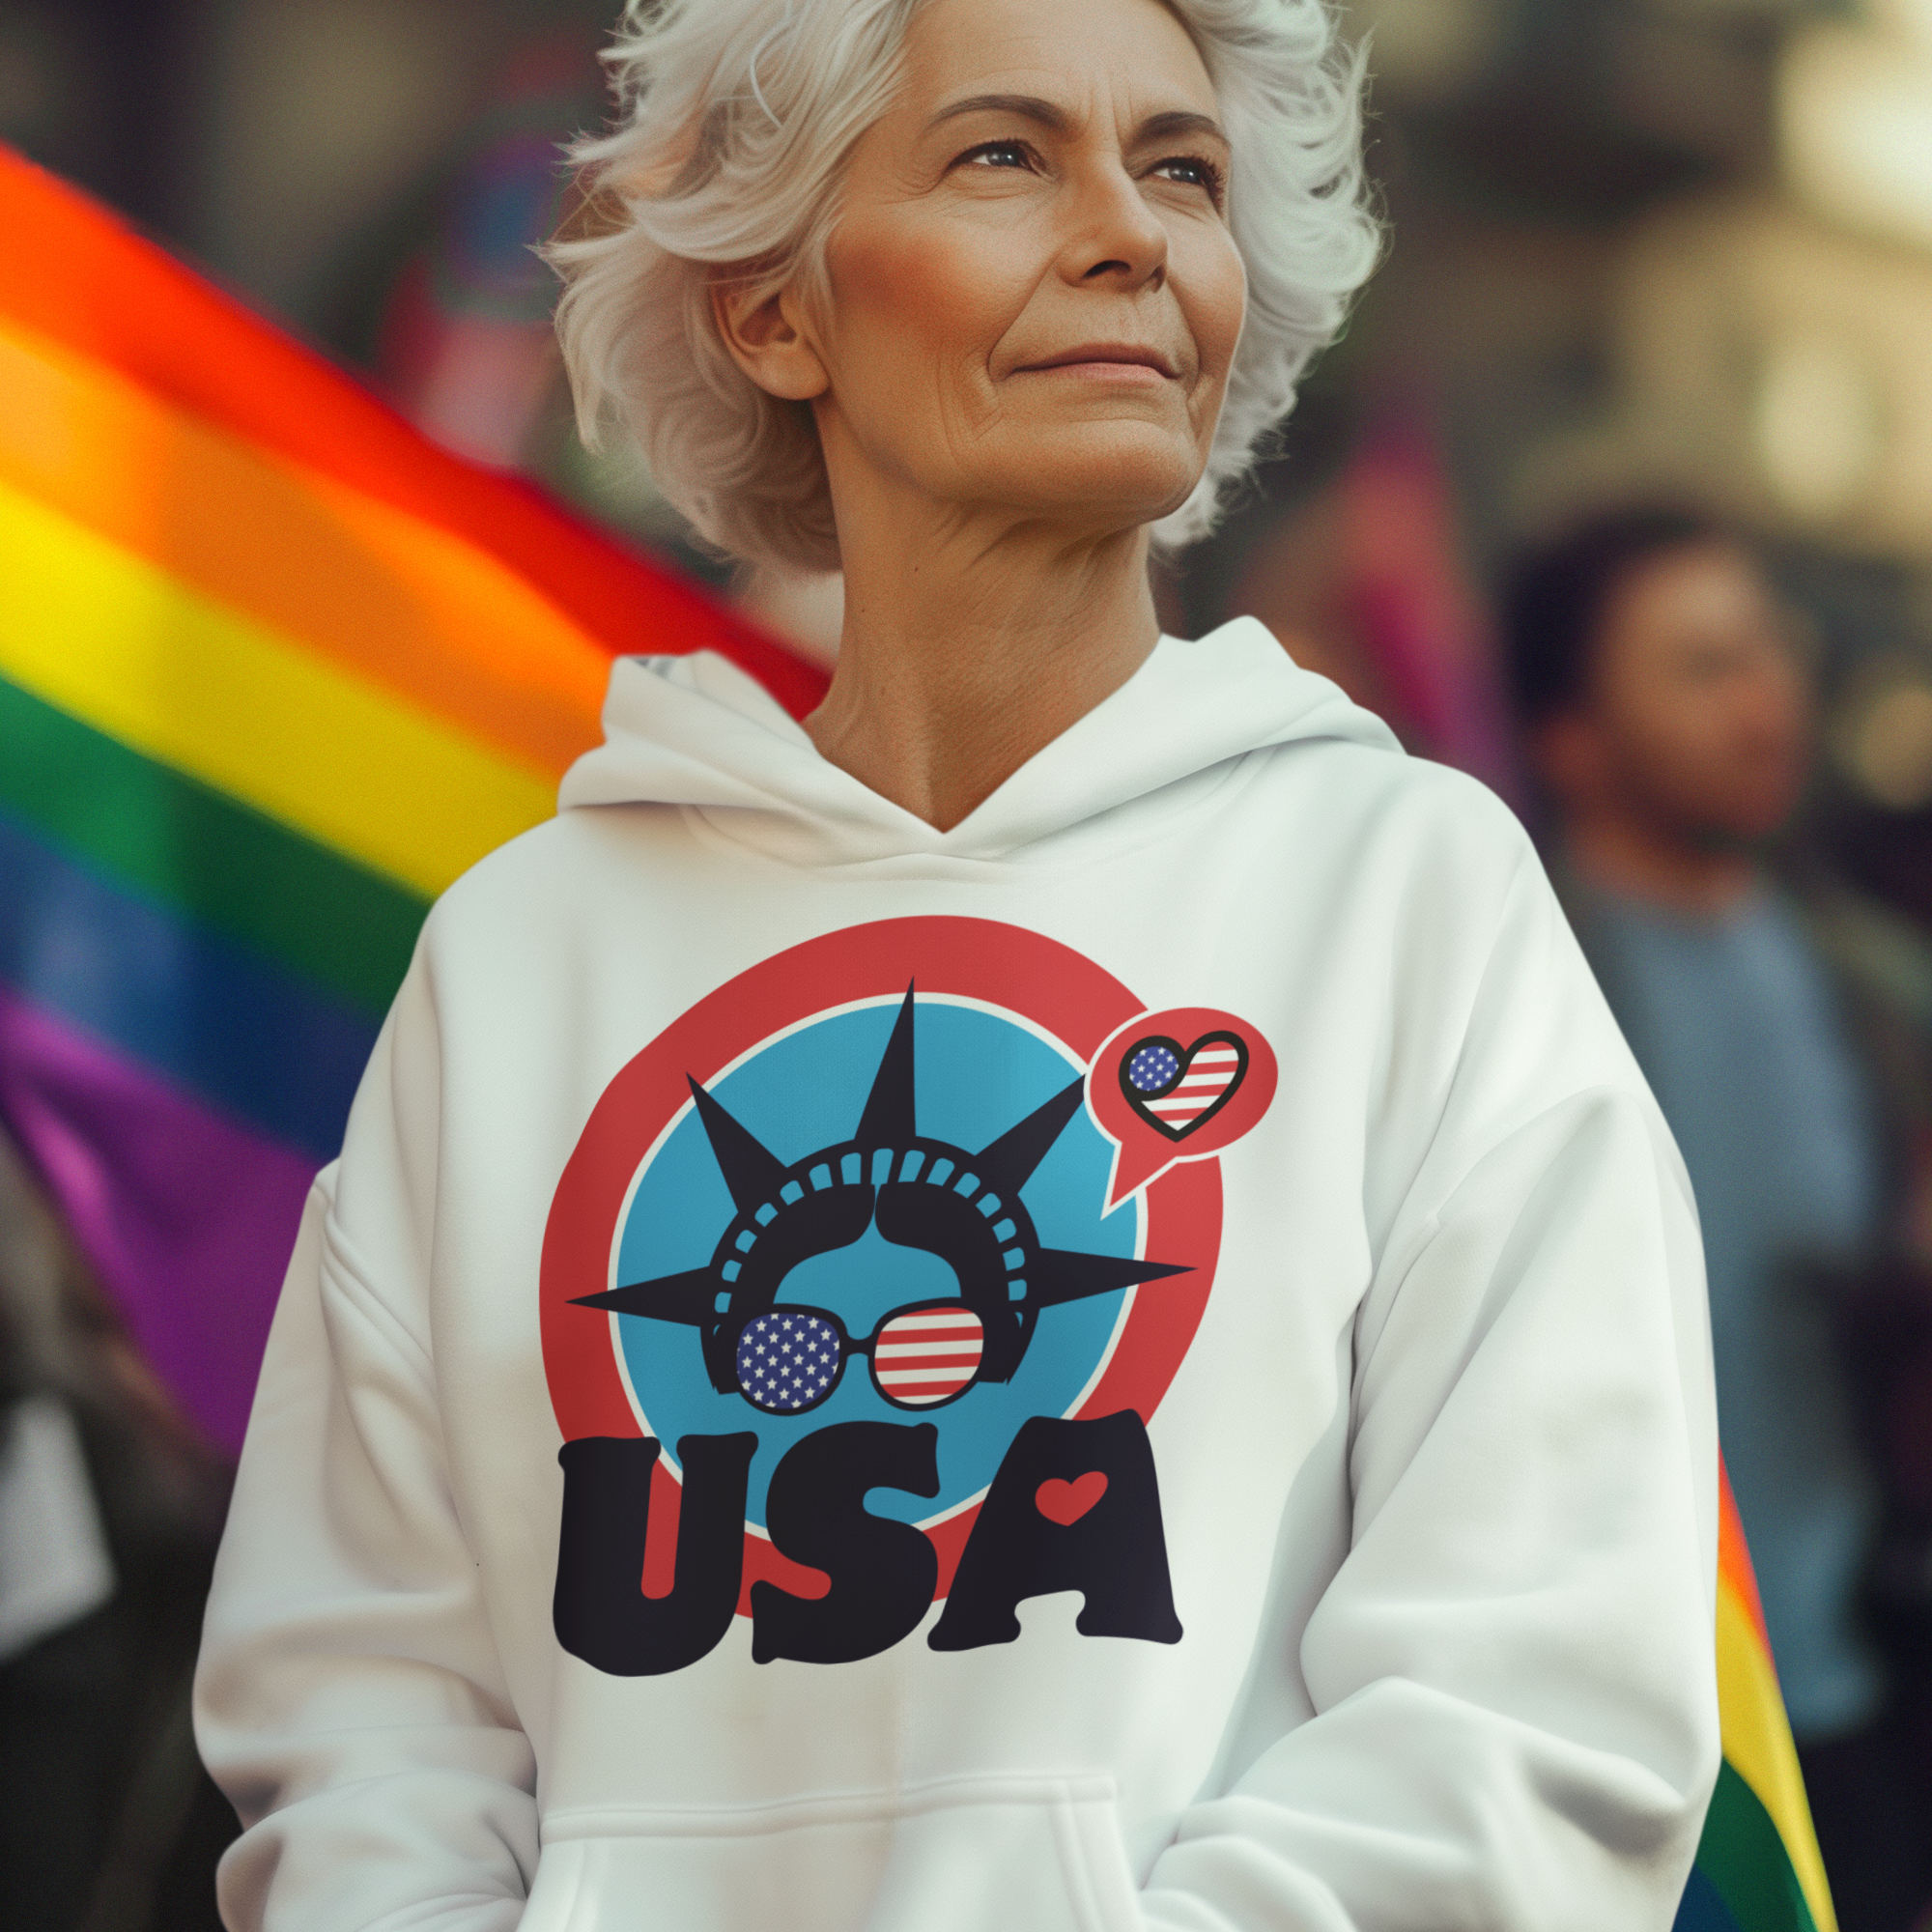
1028	106
1163	126
1180	121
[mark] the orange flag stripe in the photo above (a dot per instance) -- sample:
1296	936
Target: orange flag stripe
393	600
1734	1564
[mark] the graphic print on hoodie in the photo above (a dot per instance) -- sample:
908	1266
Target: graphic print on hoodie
854	1300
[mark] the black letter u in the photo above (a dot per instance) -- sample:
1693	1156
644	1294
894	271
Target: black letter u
600	1611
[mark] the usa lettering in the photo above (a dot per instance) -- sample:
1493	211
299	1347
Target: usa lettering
1074	1506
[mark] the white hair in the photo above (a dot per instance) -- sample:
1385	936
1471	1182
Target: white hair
735	121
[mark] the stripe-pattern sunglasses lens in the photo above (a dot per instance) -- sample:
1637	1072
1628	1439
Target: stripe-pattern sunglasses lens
924	1356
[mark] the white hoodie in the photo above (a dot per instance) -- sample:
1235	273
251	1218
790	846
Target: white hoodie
1322	1536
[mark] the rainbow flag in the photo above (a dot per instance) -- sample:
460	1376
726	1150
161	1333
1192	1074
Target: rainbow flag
1758	1868
273	671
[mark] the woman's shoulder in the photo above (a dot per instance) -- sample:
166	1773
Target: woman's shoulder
1378	799
537	879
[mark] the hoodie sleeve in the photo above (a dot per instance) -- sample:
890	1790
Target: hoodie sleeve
1512	1670
350	1700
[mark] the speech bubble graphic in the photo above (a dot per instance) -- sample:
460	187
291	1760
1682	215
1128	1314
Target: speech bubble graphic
1182	1084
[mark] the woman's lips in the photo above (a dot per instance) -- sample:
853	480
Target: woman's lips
1105	361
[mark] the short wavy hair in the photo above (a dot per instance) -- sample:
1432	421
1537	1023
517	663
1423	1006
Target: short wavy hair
735	119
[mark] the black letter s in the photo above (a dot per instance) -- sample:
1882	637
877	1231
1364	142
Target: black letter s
882	1572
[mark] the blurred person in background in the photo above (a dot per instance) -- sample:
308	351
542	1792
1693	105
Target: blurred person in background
1670	718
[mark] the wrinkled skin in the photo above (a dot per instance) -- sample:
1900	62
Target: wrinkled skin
1034	301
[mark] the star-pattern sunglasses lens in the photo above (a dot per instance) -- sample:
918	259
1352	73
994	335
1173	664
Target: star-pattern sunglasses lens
927	1355
788	1362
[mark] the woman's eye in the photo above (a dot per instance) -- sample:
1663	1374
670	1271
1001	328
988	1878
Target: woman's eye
1195	171
999	154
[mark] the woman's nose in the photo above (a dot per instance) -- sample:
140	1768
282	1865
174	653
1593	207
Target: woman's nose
1116	236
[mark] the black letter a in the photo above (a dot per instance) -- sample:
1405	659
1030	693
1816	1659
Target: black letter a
1114	1551
600	1610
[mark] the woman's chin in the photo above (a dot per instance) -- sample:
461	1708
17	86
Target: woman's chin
1116	487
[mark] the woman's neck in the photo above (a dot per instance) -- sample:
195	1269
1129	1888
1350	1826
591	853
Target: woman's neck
965	652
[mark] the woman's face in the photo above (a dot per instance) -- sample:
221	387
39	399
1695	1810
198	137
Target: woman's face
1035	296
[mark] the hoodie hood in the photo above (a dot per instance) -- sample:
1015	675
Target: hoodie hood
695	731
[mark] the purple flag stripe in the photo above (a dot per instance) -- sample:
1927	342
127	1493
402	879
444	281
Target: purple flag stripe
187	1217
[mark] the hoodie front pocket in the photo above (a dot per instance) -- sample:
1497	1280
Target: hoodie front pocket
971	1854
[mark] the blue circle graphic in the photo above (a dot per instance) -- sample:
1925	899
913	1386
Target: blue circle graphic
977	1075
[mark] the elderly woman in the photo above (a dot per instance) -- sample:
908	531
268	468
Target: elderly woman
1048	1303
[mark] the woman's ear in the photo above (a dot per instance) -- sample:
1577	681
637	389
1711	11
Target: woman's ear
767	341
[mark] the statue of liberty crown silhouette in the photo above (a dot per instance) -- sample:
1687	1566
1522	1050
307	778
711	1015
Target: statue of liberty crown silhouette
922	1193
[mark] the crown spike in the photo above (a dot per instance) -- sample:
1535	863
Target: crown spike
690	1297
1009	1161
751	1171
1061	1274
888	1119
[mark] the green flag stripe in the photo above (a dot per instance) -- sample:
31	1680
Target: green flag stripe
173	839
1743	1855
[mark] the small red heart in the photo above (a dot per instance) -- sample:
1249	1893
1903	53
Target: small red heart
1068	1502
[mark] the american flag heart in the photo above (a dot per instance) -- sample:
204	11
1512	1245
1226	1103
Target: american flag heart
927	1355
1176	1088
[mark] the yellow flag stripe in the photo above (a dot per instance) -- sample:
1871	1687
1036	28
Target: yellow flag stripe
100	633
1757	1744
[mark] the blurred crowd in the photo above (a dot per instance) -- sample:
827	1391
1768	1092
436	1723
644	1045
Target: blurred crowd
1617	493
1667	712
